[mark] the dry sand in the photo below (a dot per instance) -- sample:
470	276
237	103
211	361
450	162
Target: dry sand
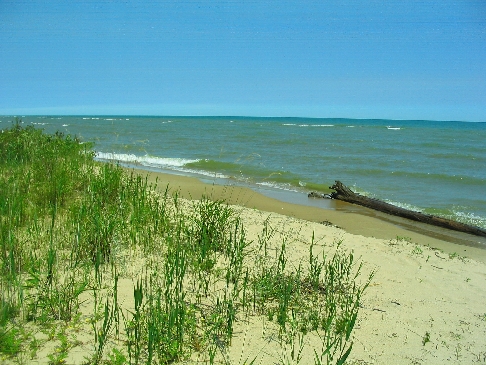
425	305
427	301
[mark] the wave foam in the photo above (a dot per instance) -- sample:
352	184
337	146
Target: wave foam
174	164
308	125
286	187
470	218
144	160
404	206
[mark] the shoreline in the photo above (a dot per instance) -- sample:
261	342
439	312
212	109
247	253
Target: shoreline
352	218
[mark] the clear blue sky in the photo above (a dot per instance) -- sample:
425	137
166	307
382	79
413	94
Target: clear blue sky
359	59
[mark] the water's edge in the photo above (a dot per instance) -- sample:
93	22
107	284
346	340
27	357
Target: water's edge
301	198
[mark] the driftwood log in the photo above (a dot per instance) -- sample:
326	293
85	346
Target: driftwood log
342	192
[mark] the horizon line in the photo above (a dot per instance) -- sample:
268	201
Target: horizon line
231	116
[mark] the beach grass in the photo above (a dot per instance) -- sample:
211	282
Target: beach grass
74	233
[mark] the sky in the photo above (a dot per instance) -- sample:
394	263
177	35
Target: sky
350	59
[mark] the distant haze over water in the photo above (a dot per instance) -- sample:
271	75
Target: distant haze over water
432	166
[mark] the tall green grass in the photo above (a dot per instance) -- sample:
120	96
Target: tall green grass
68	226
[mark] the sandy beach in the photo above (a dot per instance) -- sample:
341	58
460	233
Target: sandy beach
425	305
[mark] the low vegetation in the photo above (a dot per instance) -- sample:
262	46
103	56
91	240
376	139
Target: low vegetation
74	233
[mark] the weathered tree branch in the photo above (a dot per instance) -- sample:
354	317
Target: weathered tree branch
342	192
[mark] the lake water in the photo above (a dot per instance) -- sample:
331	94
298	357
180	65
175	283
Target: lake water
436	167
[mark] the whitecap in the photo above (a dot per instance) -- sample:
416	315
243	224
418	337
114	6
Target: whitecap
145	160
286	187
404	206
174	164
470	218
203	173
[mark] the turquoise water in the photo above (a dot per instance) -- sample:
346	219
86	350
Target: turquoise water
434	167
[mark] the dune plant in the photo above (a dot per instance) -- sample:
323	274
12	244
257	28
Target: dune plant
69	225
10	340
